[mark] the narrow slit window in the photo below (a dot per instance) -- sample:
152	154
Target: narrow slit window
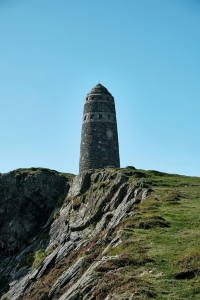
85	118
100	116
92	98
91	117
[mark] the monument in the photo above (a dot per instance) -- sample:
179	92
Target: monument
99	137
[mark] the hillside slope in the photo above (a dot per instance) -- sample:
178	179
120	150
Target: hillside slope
116	234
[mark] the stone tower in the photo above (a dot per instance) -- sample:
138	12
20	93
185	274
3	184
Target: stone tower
99	137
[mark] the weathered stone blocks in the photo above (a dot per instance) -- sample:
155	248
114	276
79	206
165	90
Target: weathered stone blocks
99	138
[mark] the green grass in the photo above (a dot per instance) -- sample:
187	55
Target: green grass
162	238
35	259
39	257
67	175
56	215
21	171
41	254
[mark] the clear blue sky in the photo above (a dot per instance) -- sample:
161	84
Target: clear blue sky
146	53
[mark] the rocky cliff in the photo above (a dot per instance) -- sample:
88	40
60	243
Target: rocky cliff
84	238
28	199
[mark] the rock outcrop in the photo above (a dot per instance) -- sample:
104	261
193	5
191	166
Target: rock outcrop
97	201
27	202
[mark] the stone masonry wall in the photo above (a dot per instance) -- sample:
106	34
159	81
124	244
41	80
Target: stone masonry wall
99	138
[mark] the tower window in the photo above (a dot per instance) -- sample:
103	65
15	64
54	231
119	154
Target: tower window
85	118
92	98
100	116
108	116
91	117
107	98
86	99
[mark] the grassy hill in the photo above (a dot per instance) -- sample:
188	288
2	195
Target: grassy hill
160	253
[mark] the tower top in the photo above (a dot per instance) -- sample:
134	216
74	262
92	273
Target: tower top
99	88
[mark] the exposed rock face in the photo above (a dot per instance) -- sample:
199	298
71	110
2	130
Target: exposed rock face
95	202
85	284
27	200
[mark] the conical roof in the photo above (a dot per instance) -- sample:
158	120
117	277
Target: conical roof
98	89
